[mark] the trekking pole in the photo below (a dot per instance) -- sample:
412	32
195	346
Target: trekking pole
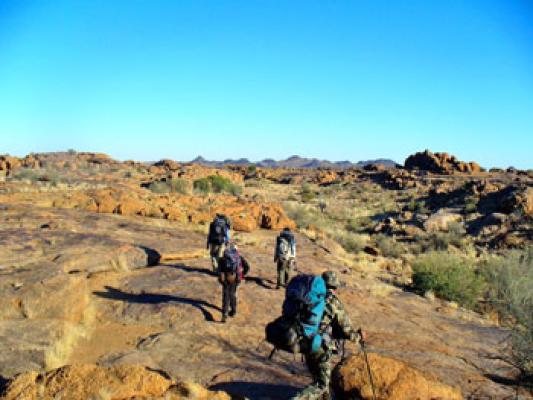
362	343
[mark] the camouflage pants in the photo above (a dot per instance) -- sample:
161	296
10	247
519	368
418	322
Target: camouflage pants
320	367
217	252
284	270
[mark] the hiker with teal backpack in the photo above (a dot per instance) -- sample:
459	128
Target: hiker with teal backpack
312	320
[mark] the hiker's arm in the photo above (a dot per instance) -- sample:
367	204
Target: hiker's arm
343	321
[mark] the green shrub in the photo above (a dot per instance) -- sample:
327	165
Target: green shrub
251	170
306	193
202	185
216	184
510	292
388	246
448	276
471	205
25	174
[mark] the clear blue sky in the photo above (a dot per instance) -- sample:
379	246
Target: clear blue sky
328	79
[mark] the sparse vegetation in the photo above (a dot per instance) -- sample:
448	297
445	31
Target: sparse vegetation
351	242
306	193
170	186
455	236
449	276
216	184
510	292
388	246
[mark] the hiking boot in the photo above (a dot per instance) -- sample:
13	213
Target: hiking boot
232	313
224	317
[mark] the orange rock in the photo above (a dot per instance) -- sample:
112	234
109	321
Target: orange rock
393	380
90	381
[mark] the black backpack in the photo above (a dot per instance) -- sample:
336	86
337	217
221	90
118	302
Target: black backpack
217	231
289	236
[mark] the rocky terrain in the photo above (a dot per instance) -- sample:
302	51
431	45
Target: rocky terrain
107	291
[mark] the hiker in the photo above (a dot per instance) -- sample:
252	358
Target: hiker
312	322
218	238
285	256
231	271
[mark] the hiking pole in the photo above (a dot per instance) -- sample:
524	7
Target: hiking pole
362	343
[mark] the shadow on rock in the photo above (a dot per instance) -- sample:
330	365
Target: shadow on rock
154	298
3	384
256	390
259	281
186	268
152	256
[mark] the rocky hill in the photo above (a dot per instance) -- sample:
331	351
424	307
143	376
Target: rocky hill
296	162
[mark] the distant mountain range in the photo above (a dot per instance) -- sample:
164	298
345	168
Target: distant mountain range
294	162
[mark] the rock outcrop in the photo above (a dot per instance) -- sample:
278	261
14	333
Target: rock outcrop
247	215
440	163
393	380
94	382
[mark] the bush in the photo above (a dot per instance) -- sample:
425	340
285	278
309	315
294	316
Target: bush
351	242
170	186
202	185
510	292
361	224
306	193
216	184
25	174
304	216
441	240
388	246
471	206
448	276
180	186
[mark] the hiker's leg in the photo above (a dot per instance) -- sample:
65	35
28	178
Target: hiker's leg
219	252
213	252
233	298
287	271
225	298
319	367
280	274
324	370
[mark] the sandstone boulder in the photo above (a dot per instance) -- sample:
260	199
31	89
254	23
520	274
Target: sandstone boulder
393	380
440	221
440	163
89	381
